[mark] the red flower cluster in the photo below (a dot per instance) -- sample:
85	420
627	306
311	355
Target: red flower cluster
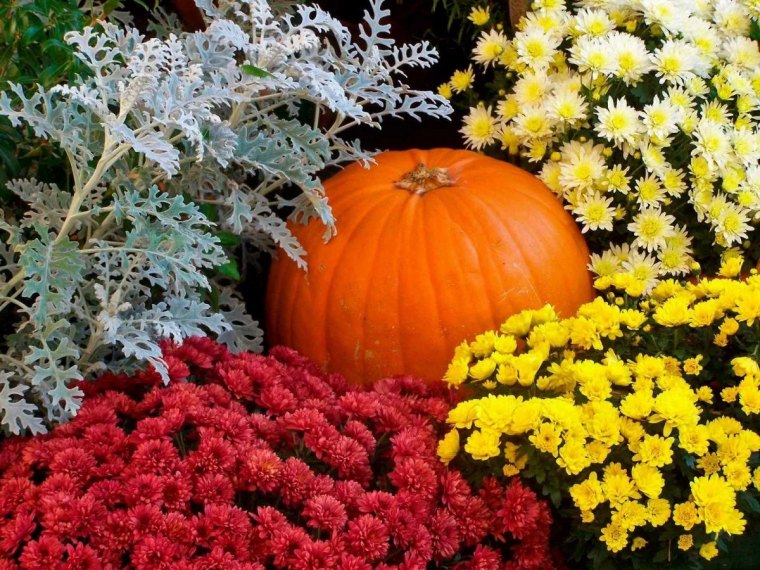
252	462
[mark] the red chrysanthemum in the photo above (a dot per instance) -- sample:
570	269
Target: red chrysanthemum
212	488
260	469
521	511
325	512
182	476
42	554
368	537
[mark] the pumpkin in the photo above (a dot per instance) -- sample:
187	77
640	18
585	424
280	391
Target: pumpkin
432	247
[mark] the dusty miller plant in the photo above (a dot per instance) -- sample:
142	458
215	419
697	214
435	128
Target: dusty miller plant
161	126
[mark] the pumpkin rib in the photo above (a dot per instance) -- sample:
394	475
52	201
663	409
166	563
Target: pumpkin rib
403	239
387	222
553	217
290	330
445	220
527	275
556	219
418	274
463	199
424	206
369	210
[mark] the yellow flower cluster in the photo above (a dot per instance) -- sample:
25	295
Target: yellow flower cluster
641	115
597	396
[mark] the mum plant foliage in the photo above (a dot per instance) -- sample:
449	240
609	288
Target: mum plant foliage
257	462
163	134
641	114
33	50
639	418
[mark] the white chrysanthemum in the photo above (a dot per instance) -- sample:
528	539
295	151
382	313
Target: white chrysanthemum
621	252
678	61
673	181
714	206
551	21
679	97
704	36
548	5
680	239
629	58
590	55
733	225
652	227
739	81
533	123
535	150
644	268
480	127
753	7
589	22
731	17
509	139
550	174
653	157
532	88
660	118
753	177
742	52
595	212
649	191
669	15
716	112
618	180
535	48
605	264
489	47
749	198
674	260
582	165
567	106
508	107
567	80
608	5
618	122
712	142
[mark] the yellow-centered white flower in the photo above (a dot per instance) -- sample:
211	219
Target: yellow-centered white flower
591	22
678	61
480	127
595	212
582	165
618	122
536	48
489	47
629	58
652	227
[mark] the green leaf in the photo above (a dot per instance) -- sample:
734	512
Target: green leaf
30	33
229	270
556	497
210	211
754	31
227	239
111	5
255	71
749	500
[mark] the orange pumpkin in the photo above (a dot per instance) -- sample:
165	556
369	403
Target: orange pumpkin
432	248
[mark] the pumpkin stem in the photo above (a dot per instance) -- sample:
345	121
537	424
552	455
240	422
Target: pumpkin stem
423	179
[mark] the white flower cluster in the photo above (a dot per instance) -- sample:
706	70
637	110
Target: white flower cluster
641	114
